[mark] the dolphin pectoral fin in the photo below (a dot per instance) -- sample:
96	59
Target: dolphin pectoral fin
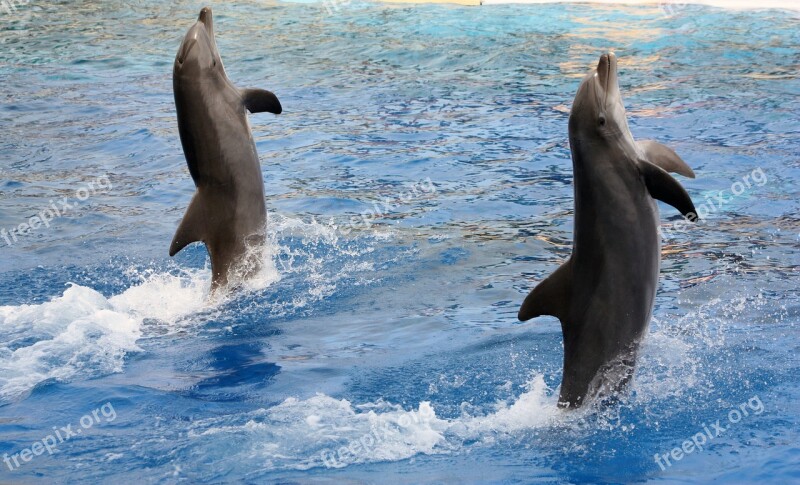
665	157
191	228
550	297
663	187
261	100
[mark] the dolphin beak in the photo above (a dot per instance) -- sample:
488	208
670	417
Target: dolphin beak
204	22
607	70
205	16
201	30
207	20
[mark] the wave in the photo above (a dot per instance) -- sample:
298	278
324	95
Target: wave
82	334
334	433
677	368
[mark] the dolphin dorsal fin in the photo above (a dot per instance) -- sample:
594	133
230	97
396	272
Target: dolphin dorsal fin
551	296
663	187
665	157
192	228
261	100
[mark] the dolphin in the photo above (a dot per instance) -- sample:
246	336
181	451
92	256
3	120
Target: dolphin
604	293
228	212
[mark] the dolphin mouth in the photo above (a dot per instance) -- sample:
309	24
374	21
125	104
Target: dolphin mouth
607	70
607	74
185	49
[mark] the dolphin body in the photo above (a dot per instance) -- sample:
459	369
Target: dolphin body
603	295
227	212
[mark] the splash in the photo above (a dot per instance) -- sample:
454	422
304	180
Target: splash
83	334
334	433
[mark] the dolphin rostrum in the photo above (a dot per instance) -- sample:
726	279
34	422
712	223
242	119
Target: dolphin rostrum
603	295
227	212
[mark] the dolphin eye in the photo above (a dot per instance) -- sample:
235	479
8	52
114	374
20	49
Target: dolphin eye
602	120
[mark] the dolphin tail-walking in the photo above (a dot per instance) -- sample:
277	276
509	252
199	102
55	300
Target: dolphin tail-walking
228	211
603	294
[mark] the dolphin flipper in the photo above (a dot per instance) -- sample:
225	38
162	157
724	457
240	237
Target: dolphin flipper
261	100
663	187
551	296
665	157
192	228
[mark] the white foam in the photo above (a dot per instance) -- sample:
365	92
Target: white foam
84	334
165	297
326	432
322	431
535	408
672	362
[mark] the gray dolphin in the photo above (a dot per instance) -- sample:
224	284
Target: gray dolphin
603	295
227	212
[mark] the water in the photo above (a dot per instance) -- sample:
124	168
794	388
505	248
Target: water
395	334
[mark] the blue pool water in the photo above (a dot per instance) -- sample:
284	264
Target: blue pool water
393	335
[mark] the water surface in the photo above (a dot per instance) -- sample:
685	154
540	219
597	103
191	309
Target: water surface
393	334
